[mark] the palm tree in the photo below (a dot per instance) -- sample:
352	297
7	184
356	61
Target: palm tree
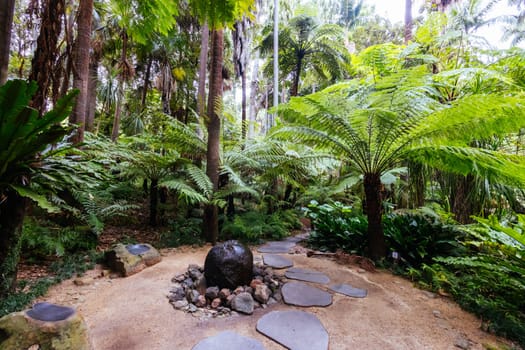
375	127
7	9
305	46
81	71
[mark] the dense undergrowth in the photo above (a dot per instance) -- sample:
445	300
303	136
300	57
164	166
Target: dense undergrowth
480	265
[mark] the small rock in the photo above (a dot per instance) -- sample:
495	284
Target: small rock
437	314
195	274
201	301
105	273
361	270
462	343
262	293
215	303
278	296
212	292
229	299
243	302
200	284
429	295
224	293
271	301
192	296
180	304
268	271
177	292
179	278
192	308
248	290
255	282
238	290
83	281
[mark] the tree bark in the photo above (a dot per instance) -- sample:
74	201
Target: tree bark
374	211
211	220
153	202
124	74
146	82
81	68
92	93
46	52
463	203
203	65
7	10
297	76
12	213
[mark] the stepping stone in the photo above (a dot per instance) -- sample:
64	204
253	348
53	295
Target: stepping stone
307	275
296	330
348	290
276	247
301	294
295	239
228	341
50	312
277	261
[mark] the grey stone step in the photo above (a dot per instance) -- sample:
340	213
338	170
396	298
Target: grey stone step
348	290
277	261
307	275
301	294
228	340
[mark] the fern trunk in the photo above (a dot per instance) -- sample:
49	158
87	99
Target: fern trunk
12	213
153	202
211	212
376	237
464	204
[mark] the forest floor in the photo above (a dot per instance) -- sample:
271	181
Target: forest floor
133	313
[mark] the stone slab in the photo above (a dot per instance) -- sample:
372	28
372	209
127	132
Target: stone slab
307	275
228	341
276	247
348	290
137	249
301	294
50	312
296	330
297	238
277	261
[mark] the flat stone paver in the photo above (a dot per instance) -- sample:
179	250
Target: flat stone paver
348	290
49	312
296	238
276	247
228	341
296	330
301	294
307	275
277	261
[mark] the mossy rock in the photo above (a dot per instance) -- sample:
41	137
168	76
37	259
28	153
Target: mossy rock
19	330
130	259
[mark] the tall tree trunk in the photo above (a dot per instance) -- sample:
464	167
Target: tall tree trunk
92	93
123	75
203	65
374	212
146	82
240	58
81	67
153	201
408	21
12	213
7	10
46	51
211	220
254	87
297	76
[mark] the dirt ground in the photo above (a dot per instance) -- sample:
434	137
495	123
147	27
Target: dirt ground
133	313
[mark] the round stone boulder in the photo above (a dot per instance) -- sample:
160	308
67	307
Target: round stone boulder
228	265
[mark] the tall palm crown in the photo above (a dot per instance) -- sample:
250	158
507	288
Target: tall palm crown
307	46
374	127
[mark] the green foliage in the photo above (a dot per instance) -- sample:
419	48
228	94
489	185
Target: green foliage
419	236
42	239
254	226
67	267
182	232
25	137
337	226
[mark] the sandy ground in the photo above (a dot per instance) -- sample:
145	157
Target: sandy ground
133	313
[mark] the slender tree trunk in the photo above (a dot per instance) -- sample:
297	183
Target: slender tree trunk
7	10
252	116
211	220
203	65
81	71
146	82
408	21
65	62
374	211
123	75
12	213
153	202
92	92
46	51
296	78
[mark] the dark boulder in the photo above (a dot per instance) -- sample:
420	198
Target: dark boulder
228	265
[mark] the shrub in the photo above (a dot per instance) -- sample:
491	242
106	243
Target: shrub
337	226
182	232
